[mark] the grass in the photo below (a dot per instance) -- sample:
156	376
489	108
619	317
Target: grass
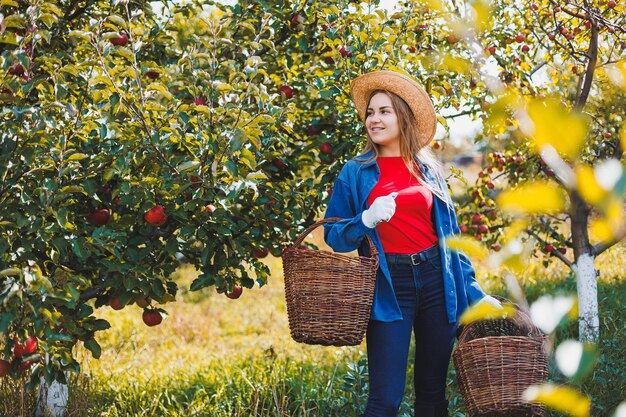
213	356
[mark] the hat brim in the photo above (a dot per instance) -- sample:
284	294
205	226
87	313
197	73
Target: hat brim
406	88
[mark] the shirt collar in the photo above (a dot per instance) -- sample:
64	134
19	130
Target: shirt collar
423	167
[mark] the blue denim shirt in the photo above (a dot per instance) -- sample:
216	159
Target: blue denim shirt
348	201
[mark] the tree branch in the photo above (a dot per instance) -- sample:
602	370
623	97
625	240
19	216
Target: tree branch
598	248
592	54
554	252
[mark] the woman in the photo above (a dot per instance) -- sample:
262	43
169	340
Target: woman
394	193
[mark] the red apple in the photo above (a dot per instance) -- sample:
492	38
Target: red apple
479	236
483	228
5	368
326	148
286	91
452	39
195	180
492	50
296	19
152	317
534	6
143	301
611	4
549	248
477	218
490	185
235	293
17	69
608	135
412	49
210	208
156	216
525	48
122	40
563	250
520	38
24	366
199	101
278	164
29	347
116	304
153	74
313	130
344	52
463	228
260	252
496	247
551	36
99	217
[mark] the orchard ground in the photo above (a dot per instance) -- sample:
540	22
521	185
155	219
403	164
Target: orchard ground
213	356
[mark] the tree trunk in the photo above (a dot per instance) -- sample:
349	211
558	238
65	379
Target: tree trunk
52	400
586	285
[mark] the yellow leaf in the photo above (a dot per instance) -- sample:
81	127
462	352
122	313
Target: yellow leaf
455	64
468	245
555	125
77	157
617	74
482	12
588	187
486	311
515	229
533	198
560	398
434	4
615	211
605	228
10	272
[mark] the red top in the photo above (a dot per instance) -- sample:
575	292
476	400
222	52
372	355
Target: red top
410	229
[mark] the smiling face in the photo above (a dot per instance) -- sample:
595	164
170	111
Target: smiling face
382	125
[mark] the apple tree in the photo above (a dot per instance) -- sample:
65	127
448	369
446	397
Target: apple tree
135	138
553	118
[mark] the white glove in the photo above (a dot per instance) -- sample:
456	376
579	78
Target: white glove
381	210
490	300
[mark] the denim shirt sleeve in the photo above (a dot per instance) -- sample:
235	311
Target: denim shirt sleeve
347	234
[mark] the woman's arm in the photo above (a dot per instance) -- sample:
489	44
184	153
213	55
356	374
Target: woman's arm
345	235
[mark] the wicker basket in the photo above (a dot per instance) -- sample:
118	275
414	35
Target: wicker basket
495	361
329	295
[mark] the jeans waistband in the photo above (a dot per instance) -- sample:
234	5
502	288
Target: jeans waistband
414	258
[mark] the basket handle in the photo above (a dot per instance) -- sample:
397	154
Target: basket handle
303	235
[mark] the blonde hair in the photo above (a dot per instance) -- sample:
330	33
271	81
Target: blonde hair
410	145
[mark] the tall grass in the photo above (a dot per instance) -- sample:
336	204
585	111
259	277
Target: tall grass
213	356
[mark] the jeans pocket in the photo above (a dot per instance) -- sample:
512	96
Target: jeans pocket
435	263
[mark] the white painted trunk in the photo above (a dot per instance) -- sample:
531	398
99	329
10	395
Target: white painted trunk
586	285
52	400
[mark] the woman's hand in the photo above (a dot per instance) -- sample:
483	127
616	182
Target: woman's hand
381	210
490	300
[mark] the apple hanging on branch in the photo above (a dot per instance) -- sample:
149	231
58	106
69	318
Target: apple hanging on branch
156	216
235	293
152	317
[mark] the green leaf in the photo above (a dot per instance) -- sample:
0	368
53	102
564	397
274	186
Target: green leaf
9	38
188	166
94	348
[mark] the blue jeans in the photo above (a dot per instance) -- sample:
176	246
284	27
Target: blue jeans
420	294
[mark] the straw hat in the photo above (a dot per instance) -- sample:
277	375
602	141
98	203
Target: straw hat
404	87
